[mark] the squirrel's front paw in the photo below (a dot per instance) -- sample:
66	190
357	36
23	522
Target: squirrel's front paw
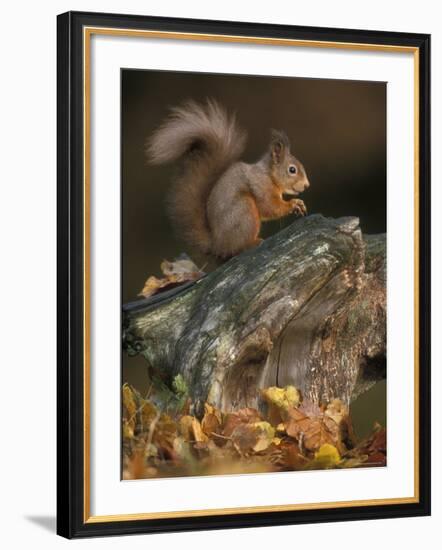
298	207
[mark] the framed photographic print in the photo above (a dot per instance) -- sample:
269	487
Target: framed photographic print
243	274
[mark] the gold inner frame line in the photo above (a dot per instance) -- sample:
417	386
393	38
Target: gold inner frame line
87	34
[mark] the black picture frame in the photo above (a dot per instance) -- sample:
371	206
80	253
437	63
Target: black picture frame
71	519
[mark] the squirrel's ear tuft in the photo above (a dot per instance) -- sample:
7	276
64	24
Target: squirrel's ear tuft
279	145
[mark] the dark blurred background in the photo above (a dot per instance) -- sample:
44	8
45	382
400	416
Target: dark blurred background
337	129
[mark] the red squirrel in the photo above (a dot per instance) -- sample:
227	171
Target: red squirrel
217	202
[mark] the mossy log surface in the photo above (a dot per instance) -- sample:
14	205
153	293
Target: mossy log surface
307	307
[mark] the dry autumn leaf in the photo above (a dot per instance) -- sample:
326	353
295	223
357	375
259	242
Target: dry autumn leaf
180	267
242	416
340	414
279	401
255	437
336	410
181	270
287	456
156	444
191	430
138	413
327	456
129	412
308	408
163	433
311	432
212	420
266	435
374	448
148	412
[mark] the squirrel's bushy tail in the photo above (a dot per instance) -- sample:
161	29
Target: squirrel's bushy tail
208	141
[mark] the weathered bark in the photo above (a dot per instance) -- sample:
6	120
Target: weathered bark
307	307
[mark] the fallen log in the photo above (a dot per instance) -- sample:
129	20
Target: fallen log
307	307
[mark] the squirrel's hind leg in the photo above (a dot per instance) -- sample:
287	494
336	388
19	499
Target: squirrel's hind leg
236	230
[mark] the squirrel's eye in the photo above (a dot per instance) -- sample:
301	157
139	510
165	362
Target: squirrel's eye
292	169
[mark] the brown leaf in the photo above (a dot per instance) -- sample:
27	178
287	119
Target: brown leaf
340	414
287	456
175	273
197	431
378	441
242	416
372	451
376	459
336	410
185	427
135	466
212	420
129	412
312	432
244	438
148	412
138	413
255	437
191	430
181	267
308	408
375	443
266	436
164	432
310	437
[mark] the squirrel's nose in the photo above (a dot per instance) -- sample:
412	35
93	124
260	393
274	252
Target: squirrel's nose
306	185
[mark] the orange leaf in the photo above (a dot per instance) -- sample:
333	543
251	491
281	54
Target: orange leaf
175	273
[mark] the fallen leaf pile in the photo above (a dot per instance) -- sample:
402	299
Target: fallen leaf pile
181	270
293	434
